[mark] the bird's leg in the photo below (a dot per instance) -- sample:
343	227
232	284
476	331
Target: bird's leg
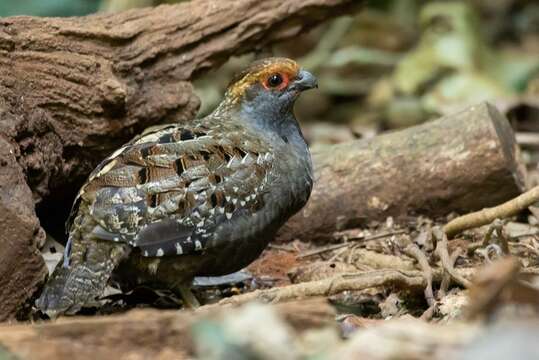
189	299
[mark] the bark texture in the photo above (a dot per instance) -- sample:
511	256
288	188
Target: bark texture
462	162
138	334
73	89
21	266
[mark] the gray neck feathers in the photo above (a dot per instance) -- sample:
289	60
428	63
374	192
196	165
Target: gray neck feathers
280	127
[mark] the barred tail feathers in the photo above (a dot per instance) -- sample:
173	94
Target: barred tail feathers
82	277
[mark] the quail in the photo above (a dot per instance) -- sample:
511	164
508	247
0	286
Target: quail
202	198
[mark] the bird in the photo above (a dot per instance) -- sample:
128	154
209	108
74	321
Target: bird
197	198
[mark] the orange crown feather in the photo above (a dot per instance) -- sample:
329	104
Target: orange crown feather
259	71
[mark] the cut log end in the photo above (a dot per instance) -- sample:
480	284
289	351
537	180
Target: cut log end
508	146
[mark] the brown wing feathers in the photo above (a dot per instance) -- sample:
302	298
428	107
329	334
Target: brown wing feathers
168	190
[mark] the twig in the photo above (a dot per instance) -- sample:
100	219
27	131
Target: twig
330	286
429	313
527	139
534	233
322	250
414	251
337	254
351	253
497	225
488	215
446	279
350	242
282	248
442	252
378	236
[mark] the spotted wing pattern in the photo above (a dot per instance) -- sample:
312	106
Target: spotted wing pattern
169	189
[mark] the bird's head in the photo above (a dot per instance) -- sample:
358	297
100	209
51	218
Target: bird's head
268	88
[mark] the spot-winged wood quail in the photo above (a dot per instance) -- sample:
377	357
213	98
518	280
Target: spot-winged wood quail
181	200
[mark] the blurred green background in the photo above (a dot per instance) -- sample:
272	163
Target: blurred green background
48	7
395	64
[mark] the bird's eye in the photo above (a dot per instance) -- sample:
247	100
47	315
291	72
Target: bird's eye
275	80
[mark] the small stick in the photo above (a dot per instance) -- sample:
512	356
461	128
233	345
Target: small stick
346	244
529	139
337	255
281	247
488	215
414	251
322	250
443	254
446	279
497	225
502	236
378	236
351	253
429	313
535	233
330	286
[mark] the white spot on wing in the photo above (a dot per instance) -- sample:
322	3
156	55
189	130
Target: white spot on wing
117	152
160	252
105	169
179	249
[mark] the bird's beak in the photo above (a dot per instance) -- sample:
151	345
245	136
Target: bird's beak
305	81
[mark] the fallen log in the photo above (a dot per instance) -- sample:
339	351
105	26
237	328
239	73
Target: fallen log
138	334
461	162
74	89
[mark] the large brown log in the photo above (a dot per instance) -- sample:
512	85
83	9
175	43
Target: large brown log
21	265
462	162
73	89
